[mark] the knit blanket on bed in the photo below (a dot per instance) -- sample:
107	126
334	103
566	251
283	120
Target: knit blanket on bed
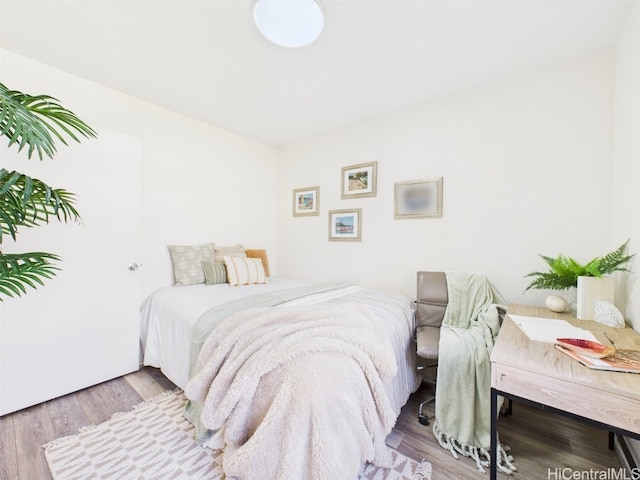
463	391
299	392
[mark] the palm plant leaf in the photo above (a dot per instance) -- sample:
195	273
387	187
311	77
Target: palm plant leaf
19	271
26	201
34	121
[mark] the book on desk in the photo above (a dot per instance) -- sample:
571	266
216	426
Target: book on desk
621	360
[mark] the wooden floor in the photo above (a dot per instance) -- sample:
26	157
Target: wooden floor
539	441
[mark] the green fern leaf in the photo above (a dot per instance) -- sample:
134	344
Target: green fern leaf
564	271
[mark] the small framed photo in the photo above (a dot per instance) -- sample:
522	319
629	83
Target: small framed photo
359	180
418	199
306	201
345	225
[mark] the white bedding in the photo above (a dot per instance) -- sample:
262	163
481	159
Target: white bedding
169	314
310	377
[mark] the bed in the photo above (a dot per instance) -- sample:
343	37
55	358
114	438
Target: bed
180	324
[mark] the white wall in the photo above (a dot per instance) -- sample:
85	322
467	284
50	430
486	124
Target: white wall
200	183
527	167
626	167
626	171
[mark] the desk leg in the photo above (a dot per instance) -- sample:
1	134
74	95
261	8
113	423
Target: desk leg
494	436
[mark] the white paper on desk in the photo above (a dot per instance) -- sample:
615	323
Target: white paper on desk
548	330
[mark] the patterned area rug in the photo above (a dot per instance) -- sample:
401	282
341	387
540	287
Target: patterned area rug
155	441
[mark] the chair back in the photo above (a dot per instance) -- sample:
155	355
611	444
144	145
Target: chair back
431	299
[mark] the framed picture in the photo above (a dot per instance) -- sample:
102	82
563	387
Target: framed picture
345	225
418	199
306	201
359	180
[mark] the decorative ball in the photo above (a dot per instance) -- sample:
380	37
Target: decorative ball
556	303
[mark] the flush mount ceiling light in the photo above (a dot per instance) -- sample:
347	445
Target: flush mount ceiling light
289	23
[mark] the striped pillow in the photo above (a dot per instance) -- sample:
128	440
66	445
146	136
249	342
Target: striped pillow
214	272
244	271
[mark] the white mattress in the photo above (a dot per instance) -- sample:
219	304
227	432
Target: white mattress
169	314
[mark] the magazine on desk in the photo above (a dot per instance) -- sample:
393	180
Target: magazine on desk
621	360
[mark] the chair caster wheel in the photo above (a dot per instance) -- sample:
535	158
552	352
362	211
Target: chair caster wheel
423	419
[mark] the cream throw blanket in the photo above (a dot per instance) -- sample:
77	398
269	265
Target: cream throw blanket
463	391
299	391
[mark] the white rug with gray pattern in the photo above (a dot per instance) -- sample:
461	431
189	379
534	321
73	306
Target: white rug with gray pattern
155	442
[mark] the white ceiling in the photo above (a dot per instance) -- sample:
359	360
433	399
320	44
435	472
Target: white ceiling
206	60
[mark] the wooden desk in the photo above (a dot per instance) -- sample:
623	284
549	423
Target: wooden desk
537	374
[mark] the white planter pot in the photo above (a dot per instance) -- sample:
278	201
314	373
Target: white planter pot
591	289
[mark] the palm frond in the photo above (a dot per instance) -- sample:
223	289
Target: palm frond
28	202
34	121
19	271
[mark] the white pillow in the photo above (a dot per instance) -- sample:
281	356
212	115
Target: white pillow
231	251
244	271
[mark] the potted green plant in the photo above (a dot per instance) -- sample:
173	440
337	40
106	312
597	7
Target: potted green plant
592	279
33	122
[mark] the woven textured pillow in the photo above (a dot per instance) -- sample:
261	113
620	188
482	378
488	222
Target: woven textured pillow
244	271
214	272
262	255
187	262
